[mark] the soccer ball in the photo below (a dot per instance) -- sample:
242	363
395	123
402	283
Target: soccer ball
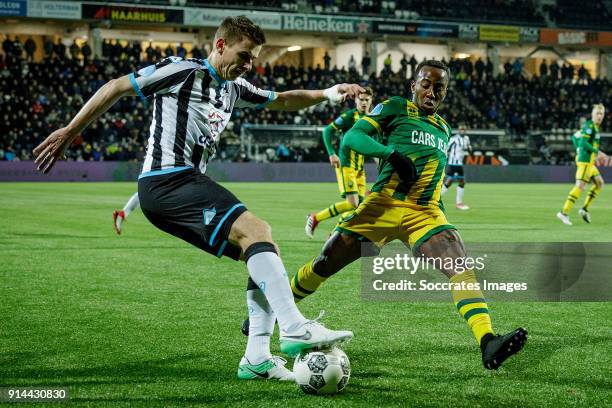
322	372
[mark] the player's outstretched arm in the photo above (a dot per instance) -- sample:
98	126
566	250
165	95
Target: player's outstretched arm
327	135
302	98
54	146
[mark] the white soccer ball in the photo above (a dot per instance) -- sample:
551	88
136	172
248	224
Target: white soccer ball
322	372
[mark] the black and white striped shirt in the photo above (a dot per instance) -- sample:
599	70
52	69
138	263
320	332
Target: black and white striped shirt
192	106
458	148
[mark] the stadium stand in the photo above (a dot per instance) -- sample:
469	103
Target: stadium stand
44	95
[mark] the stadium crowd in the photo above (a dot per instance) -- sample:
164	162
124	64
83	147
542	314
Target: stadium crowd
39	97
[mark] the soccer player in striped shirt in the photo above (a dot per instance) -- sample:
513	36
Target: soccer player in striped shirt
405	204
349	165
193	101
458	147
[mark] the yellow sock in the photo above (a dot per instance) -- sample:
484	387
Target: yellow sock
574	195
333	210
593	193
471	305
305	282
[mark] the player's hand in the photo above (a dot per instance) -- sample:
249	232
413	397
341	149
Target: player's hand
52	149
334	160
341	92
403	166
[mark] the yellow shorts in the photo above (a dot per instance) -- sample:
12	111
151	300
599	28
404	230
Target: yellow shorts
586	171
382	219
351	181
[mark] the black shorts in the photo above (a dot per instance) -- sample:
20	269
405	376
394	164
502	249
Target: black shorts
455	172
191	206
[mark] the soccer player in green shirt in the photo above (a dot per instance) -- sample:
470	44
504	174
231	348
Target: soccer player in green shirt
405	204
586	171
349	165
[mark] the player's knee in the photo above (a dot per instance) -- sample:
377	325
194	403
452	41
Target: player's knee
446	243
353	200
249	229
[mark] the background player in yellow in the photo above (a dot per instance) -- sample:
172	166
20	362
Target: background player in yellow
587	153
349	165
405	204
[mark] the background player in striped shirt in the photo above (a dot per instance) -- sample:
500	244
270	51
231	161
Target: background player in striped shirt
349	165
405	204
193	102
458	147
586	170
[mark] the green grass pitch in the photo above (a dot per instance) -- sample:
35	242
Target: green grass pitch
147	320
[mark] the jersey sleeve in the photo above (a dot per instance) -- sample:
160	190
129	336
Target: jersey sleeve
249	96
382	115
343	122
161	78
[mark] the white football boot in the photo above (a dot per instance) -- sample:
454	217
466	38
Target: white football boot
564	218
271	369
311	335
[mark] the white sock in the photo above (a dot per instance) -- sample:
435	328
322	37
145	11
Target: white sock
459	198
444	189
261	327
267	271
131	205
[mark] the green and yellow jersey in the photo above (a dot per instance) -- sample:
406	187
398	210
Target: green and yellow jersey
398	125
341	125
588	144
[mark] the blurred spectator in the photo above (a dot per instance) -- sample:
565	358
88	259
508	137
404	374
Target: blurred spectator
86	51
47	47
352	64
480	68
543	68
404	66
75	50
30	48
387	64
413	63
365	63
169	51
326	61
60	49
181	51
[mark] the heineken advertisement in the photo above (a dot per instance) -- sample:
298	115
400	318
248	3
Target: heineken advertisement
326	24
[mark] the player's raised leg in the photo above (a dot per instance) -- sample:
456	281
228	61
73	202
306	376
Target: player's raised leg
471	304
267	271
119	216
